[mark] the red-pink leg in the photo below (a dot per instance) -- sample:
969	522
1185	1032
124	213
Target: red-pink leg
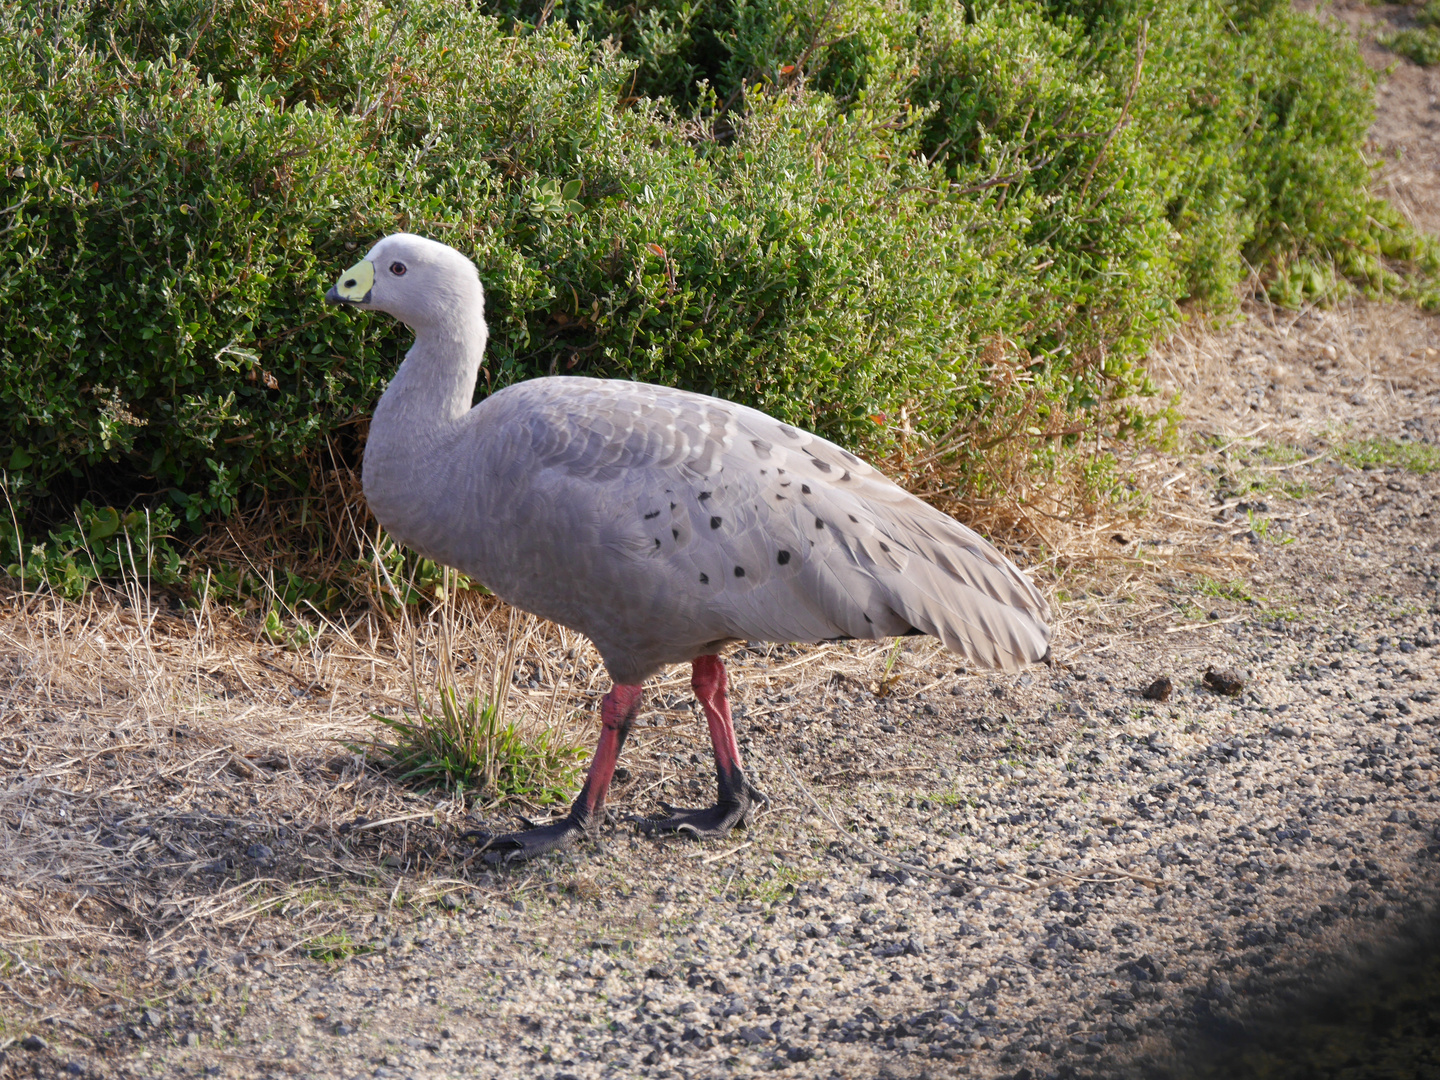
738	797
617	712
708	680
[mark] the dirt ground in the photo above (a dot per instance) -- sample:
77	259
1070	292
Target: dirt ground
959	874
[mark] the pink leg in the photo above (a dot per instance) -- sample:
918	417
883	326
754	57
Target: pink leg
738	797
708	680
617	712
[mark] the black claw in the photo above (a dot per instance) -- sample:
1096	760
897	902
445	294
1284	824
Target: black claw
711	823
520	846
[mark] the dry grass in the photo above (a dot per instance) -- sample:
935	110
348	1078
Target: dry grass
149	751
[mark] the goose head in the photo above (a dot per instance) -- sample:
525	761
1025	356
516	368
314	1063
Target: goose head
423	283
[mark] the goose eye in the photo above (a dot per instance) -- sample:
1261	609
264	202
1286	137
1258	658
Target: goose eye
398	269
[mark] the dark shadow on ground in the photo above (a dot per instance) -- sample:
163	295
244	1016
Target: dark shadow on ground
1371	1015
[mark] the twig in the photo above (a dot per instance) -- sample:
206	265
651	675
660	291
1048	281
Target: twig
706	860
1154	882
392	820
1291	465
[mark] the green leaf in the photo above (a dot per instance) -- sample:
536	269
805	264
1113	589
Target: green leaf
104	524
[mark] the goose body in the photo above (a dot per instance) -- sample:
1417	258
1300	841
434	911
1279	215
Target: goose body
659	523
662	524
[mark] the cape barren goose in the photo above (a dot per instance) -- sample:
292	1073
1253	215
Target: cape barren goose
659	523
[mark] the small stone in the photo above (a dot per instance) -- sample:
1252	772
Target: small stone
1159	690
259	852
1225	681
151	1018
344	1029
33	1042
519	905
452	901
190	1039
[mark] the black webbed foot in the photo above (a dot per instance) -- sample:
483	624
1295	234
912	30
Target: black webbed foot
711	823
534	841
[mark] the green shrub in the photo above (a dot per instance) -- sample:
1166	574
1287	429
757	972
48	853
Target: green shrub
884	221
1422	43
97	542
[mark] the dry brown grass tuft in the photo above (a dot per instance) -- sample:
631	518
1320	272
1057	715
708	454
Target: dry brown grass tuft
176	785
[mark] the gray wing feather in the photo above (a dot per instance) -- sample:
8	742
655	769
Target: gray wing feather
658	521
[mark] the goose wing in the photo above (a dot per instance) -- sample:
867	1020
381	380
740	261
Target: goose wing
696	520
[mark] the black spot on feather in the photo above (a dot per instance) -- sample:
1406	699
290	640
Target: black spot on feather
823	466
867	618
675	533
845	476
703	496
819	524
789	432
704	579
884	547
849	457
739	571
762	447
805	489
652	514
657	541
853	518
783	558
779	496
715	521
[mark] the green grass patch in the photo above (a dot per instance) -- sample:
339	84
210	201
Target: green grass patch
334	947
1420	458
1235	591
470	748
1420	43
1275	453
950	800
